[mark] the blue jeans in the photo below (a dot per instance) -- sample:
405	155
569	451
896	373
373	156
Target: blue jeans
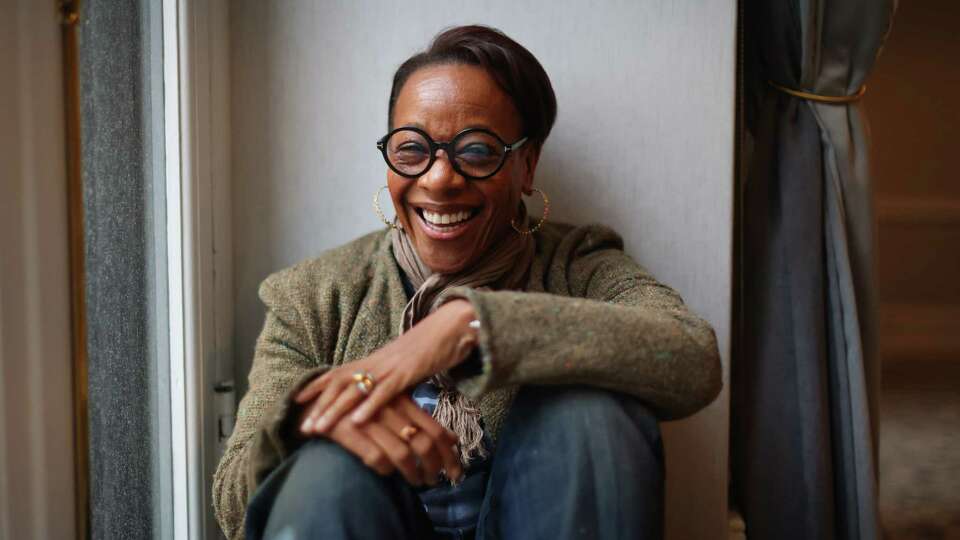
571	462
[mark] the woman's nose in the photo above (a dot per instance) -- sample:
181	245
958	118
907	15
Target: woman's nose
441	176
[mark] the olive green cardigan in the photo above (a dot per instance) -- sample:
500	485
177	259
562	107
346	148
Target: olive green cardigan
590	315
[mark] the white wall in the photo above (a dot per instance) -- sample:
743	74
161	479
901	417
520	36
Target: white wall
36	419
643	142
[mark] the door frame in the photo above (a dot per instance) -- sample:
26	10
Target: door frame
199	268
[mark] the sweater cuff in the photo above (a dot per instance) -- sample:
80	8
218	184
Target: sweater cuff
276	438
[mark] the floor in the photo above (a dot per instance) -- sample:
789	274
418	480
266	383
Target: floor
920	451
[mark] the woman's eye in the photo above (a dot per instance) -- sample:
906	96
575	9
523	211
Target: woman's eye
476	150
475	153
410	152
411	147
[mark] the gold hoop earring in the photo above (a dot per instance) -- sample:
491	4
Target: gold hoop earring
546	212
376	208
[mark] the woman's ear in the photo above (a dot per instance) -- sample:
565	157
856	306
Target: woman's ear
530	158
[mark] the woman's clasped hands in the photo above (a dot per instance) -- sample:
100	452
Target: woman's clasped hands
365	405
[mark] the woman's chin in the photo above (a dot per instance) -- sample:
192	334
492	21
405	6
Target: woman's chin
444	263
445	249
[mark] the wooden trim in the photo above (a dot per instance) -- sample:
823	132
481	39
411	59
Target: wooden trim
70	15
919	331
919	212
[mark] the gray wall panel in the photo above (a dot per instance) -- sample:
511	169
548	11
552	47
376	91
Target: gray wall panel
643	142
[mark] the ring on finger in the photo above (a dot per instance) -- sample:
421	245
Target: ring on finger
364	382
408	432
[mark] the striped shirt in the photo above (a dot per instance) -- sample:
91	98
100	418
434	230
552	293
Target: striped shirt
454	510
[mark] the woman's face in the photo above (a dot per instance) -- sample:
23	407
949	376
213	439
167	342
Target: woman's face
443	100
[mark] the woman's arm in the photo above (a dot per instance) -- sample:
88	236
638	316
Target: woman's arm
283	359
619	329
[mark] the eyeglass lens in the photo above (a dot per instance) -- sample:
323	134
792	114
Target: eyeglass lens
476	153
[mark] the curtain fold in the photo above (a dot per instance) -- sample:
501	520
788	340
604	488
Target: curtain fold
804	389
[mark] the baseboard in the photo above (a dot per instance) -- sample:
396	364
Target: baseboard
925	331
918	212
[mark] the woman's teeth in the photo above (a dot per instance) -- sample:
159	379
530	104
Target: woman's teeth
445	219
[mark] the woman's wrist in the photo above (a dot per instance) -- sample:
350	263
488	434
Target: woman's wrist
462	330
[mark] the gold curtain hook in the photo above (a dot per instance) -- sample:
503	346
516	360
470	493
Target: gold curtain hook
818	97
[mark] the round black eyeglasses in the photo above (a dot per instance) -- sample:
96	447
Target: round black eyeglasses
475	153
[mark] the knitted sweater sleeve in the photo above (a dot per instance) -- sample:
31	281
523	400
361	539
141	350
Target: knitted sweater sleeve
605	322
284	359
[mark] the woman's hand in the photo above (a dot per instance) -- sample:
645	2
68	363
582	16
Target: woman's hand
380	443
440	341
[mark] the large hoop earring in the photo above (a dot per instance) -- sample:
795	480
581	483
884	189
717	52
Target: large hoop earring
376	208
546	212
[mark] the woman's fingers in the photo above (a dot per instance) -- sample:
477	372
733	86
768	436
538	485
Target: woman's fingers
313	388
321	403
423	419
359	444
425	447
383	392
326	416
399	452
445	439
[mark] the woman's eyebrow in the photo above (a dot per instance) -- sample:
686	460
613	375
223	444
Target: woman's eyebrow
478	126
418	125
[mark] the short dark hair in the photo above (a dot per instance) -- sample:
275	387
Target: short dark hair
514	68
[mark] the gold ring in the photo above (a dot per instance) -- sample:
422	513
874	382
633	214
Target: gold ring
408	432
364	382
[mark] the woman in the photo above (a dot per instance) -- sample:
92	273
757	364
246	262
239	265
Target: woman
469	371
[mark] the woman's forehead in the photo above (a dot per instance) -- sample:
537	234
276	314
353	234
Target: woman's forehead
447	98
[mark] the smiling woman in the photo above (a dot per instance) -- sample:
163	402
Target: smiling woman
469	371
444	99
440	99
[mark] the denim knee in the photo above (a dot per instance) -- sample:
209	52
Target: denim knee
576	462
323	491
324	483
582	412
331	474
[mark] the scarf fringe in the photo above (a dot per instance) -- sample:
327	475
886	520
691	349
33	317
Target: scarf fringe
458	413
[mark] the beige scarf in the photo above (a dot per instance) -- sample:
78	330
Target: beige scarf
504	267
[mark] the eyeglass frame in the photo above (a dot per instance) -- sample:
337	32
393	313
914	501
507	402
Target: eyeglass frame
446	147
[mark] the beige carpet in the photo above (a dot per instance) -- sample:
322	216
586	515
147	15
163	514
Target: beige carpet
920	451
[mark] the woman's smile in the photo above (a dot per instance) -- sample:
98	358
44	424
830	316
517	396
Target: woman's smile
445	222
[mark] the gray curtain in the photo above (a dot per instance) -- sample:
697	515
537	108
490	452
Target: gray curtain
805	382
